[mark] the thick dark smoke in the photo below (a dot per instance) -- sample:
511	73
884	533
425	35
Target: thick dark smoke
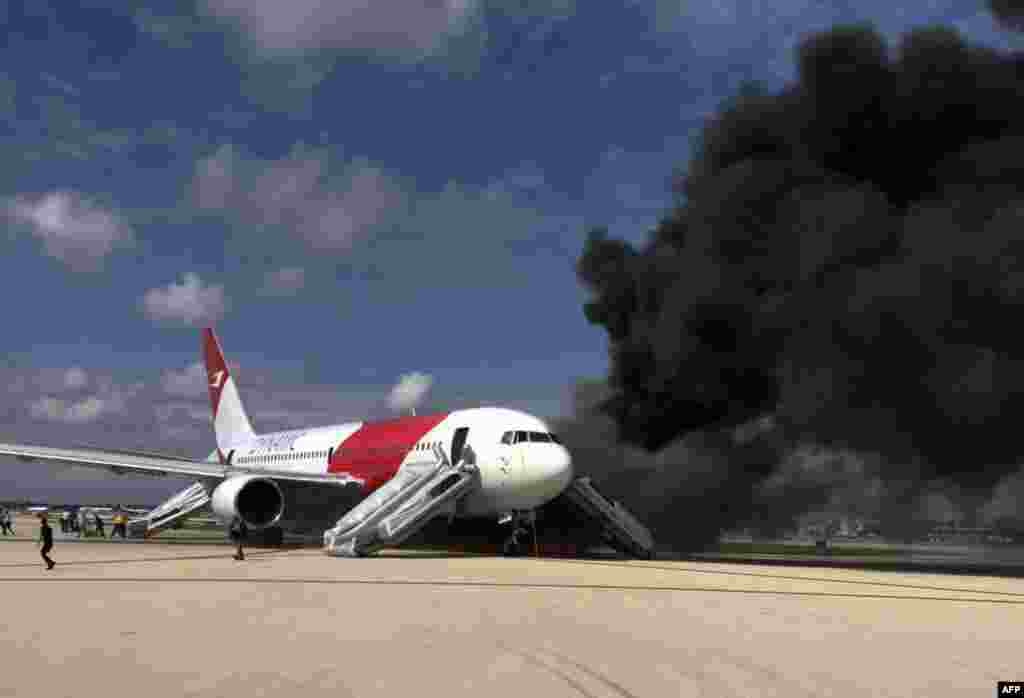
1009	13
847	257
692	489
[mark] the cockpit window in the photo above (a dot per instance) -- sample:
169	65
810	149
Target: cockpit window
518	437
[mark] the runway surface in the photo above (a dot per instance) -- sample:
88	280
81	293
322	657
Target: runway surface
170	620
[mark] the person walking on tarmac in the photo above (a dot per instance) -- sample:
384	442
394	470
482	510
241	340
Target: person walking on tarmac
46	538
238	532
120	524
99	524
5	521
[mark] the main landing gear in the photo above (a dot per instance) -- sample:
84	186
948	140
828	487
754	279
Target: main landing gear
523	535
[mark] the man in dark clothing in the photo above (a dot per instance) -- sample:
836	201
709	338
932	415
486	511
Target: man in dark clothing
99	524
46	538
238	532
5	521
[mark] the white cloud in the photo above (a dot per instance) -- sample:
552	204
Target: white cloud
73	229
75	378
409	391
298	192
397	27
284	281
188	382
109	399
189	303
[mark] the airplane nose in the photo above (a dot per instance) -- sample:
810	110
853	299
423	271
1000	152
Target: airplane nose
558	467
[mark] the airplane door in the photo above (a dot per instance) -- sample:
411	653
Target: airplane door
458	442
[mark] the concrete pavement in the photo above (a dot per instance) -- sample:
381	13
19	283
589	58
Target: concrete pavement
190	621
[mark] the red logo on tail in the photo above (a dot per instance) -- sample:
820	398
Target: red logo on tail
216	378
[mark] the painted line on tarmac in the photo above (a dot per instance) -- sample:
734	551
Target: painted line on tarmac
764	575
120	561
497	585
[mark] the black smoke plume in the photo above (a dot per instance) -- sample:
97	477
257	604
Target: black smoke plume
846	257
1009	13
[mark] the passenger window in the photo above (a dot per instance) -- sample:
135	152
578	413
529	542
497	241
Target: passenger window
508	437
520	437
539	437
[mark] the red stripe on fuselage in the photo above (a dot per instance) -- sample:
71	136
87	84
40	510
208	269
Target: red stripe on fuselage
375	451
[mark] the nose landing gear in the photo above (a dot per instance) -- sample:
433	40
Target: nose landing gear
519	540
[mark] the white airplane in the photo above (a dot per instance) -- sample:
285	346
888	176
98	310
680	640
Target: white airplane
383	479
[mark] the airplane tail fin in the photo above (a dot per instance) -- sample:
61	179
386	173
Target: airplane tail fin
230	423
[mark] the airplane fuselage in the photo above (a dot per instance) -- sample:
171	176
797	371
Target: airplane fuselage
521	463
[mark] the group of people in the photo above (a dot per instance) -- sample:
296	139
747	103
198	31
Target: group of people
78	522
70	523
238	532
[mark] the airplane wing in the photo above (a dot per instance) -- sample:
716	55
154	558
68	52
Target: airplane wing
139	463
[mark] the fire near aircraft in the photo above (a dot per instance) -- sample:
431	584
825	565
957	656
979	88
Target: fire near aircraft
384	479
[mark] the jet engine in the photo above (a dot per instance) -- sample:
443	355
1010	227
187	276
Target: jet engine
256	500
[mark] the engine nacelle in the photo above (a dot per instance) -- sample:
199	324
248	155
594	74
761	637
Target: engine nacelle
256	500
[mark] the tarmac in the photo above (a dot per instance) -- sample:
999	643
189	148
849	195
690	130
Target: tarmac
170	620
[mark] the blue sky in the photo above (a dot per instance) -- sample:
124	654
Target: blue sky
349	195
